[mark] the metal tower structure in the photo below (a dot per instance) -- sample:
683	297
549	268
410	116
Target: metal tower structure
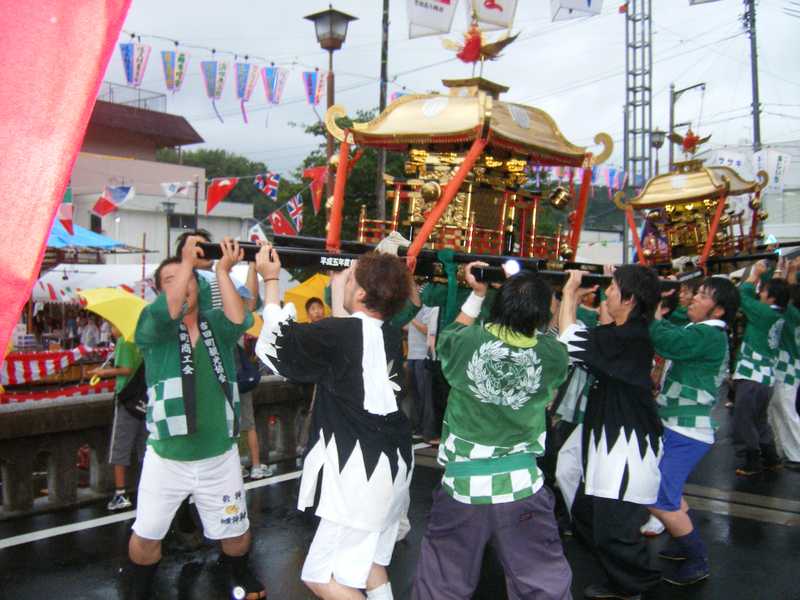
638	112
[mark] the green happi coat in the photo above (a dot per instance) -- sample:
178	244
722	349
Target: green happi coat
166	418
759	349
494	426
698	355
787	366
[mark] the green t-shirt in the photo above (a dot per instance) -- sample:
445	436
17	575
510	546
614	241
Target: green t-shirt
126	356
211	438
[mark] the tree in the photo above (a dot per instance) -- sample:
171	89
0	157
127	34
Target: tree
360	183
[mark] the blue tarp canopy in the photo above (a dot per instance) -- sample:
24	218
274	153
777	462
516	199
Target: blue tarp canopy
82	238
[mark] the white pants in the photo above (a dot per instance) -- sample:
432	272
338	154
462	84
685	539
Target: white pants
785	421
569	466
347	554
215	483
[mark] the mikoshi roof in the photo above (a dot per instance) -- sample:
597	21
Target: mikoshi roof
693	185
447	119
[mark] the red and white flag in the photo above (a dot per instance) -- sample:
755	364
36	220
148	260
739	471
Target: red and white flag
65	212
113	197
281	224
256	234
218	191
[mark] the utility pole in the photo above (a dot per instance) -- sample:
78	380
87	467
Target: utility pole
380	187
196	202
674	95
750	25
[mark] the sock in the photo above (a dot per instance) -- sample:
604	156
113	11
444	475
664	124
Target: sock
239	570
693	545
120	492
382	592
137	580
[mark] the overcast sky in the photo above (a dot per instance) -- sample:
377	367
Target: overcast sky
572	69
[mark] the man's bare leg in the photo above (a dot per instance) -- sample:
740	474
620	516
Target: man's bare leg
334	590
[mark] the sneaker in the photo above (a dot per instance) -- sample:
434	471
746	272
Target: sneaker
673	551
119	502
262	471
600	591
245	472
689	572
652	528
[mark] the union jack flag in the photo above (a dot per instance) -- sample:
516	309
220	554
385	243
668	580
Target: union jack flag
295	206
268	184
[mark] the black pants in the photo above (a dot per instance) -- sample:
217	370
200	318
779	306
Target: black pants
426	419
751	431
611	528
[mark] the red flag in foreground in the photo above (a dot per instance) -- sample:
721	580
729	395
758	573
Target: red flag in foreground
44	120
318	176
218	191
281	223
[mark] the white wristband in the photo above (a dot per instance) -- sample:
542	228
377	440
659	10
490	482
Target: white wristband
472	306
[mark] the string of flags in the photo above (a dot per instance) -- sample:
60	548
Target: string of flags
175	64
613	178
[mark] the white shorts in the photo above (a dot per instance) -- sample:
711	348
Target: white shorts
347	554
215	483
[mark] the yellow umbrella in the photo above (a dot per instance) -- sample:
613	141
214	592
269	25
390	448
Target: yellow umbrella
118	307
313	287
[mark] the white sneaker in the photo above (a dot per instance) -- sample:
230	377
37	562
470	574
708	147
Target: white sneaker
652	528
119	502
261	471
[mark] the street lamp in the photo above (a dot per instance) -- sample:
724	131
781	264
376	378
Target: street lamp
657	138
331	28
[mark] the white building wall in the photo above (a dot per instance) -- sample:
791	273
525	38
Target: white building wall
144	214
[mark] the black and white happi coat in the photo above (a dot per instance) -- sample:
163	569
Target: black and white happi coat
619	442
360	443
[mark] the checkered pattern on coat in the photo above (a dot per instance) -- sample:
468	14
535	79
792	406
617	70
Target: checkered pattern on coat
787	369
489	489
754	366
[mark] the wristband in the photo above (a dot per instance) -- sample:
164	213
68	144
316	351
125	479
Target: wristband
472	306
273	279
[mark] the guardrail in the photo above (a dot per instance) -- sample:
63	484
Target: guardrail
51	432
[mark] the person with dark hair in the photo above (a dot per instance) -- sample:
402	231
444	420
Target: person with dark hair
315	309
783	413
193	421
502	374
754	376
360	442
698	355
686	293
619	441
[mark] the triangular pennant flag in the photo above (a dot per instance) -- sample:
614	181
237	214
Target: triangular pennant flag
134	61
280	223
65	211
175	64
218	191
113	197
256	234
176	188
318	176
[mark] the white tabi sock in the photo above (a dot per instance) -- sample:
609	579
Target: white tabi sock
382	592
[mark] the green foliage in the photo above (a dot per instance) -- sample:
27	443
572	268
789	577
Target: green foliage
361	183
